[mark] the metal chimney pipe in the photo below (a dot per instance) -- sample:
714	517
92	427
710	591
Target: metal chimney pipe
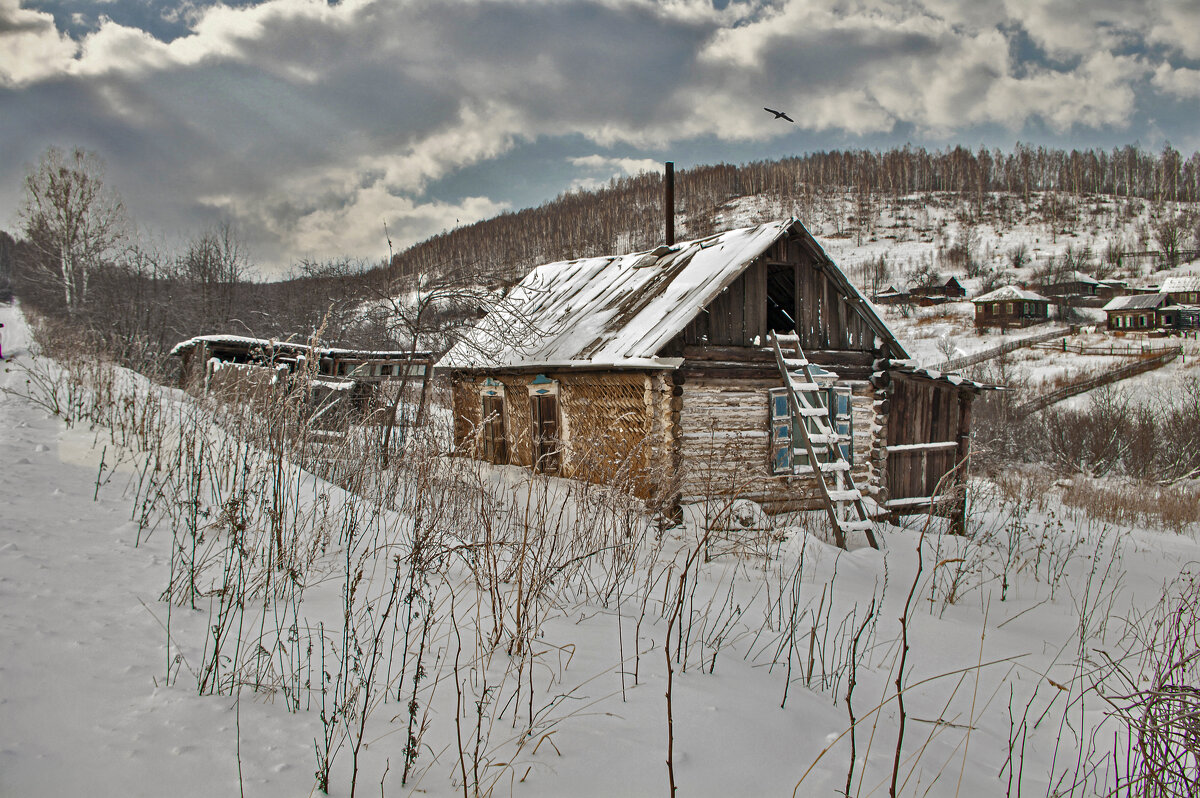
669	201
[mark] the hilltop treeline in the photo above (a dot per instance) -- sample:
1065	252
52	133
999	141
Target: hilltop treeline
145	301
627	214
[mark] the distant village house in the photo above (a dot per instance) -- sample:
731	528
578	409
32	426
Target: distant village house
1010	306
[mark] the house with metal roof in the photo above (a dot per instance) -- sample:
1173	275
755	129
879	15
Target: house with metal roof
740	365
1183	289
1137	311
1010	306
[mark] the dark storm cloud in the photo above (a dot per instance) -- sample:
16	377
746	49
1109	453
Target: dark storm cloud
309	124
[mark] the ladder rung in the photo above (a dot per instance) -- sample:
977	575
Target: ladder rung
823	439
836	465
814	412
795	363
805	386
844	495
787	338
851	526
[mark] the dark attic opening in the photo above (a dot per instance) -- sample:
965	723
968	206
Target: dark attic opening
781	297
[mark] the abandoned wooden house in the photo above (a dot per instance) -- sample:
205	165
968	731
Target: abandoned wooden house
1010	306
891	296
346	383
743	364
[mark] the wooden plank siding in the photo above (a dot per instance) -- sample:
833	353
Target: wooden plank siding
615	427
825	319
924	412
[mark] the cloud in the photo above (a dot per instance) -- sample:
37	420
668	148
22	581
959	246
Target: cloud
1176	26
599	169
31	47
1070	28
1182	82
314	122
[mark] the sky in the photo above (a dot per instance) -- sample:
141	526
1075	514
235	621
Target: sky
309	126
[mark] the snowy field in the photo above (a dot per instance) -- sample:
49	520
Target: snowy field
554	630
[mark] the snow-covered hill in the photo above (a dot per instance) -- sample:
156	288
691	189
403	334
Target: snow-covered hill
559	633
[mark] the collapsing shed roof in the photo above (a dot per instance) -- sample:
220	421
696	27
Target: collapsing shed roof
620	311
245	344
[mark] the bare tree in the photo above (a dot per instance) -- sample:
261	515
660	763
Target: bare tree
876	271
1018	256
215	263
1170	231
71	219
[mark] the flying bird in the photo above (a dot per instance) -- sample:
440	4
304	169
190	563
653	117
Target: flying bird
780	115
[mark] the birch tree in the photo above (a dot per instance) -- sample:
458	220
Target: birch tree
71	219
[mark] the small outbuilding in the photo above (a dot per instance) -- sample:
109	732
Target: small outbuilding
740	365
345	383
1010	306
1112	287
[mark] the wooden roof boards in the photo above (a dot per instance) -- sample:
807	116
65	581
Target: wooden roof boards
620	311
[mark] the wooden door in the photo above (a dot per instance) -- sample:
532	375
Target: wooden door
495	442
545	433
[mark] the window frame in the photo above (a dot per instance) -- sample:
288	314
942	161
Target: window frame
838	400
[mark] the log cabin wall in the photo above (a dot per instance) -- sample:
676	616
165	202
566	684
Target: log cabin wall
725	444
616	427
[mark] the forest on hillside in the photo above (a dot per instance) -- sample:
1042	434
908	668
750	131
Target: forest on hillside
140	300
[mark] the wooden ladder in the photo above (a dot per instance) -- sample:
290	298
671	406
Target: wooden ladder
843	501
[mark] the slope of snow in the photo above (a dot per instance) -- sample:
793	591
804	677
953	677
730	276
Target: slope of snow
999	629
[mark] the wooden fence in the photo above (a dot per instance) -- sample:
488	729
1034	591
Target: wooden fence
954	364
1112	350
1091	383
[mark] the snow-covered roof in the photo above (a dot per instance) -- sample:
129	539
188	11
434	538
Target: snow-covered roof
1073	277
1175	285
915	369
1136	302
246	343
1010	292
620	311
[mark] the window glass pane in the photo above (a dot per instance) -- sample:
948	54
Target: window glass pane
781	459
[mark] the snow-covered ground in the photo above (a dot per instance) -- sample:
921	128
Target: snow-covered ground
1004	636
